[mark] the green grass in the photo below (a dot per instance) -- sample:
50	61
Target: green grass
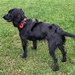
61	12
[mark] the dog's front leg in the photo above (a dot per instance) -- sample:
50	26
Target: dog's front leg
24	45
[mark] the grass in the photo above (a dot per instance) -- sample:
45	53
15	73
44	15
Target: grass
61	12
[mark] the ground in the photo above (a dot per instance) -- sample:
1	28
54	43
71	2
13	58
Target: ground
60	12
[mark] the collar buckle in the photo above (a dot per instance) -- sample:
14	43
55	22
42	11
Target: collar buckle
21	25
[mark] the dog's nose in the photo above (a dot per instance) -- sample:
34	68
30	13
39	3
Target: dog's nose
3	17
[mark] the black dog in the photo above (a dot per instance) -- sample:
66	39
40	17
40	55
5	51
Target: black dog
34	30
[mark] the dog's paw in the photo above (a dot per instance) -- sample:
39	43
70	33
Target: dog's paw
33	48
63	60
55	68
23	56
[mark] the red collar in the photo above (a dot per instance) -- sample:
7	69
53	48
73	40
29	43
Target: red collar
21	25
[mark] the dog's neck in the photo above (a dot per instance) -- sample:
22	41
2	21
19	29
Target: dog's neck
17	21
22	23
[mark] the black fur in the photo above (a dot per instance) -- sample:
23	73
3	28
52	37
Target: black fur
34	30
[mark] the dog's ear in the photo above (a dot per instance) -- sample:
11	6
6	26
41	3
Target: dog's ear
21	13
13	13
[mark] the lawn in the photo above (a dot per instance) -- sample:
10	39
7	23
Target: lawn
38	62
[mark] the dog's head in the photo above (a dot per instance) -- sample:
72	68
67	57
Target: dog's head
14	15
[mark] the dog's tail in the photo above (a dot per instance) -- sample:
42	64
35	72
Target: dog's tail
69	34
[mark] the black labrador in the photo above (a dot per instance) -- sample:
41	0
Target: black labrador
35	30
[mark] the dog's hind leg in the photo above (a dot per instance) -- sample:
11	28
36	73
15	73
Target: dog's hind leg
52	47
34	44
63	53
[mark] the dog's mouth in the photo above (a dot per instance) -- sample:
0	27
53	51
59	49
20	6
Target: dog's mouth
9	20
